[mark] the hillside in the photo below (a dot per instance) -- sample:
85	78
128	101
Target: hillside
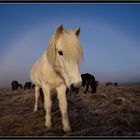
112	111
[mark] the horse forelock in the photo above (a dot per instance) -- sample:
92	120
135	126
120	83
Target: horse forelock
70	46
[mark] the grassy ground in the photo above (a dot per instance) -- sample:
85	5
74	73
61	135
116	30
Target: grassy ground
112	111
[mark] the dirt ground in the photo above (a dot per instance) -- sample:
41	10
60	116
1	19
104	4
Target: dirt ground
112	111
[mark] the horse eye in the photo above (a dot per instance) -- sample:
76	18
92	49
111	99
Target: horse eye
60	52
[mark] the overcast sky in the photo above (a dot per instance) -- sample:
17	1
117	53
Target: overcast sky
110	38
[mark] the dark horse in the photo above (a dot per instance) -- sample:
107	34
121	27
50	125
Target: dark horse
28	85
88	80
14	85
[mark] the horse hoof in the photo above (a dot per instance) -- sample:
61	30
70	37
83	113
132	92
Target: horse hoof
35	109
67	129
48	125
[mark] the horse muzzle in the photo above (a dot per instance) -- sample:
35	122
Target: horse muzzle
76	85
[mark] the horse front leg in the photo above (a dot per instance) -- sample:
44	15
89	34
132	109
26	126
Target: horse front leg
37	94
61	94
47	105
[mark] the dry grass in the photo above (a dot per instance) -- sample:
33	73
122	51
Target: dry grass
110	112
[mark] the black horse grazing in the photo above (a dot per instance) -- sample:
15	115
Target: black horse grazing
89	80
28	85
14	85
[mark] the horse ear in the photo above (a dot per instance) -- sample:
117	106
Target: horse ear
77	31
59	28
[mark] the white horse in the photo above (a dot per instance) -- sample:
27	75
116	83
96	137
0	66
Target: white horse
58	68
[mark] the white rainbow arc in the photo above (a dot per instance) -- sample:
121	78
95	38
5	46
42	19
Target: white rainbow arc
25	50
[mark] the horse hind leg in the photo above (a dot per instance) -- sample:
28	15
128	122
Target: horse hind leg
37	94
61	94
